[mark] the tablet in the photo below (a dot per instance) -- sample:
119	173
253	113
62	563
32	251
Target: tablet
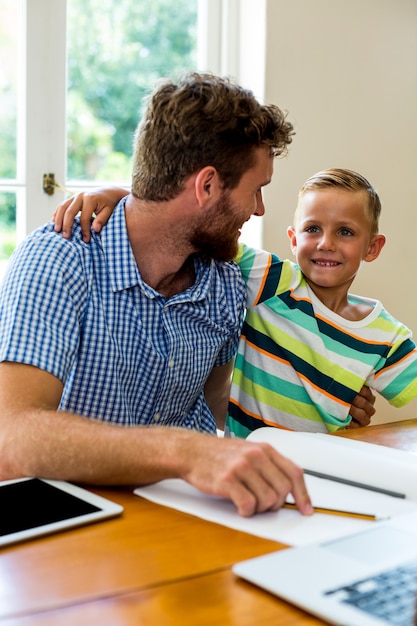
32	507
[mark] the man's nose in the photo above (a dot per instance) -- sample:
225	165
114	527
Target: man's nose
260	207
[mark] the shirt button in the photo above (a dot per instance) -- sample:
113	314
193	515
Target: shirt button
171	363
156	417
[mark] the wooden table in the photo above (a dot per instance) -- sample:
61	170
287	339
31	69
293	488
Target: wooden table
153	566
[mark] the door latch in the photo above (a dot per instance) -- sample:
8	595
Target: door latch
49	184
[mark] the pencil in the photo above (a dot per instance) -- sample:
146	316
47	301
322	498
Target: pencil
317	509
353	483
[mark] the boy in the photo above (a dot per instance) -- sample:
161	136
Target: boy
308	345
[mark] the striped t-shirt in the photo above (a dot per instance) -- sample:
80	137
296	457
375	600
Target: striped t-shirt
300	365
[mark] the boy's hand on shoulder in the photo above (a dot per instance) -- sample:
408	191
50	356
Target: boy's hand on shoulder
99	202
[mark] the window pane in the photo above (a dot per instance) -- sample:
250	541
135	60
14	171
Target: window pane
9	13
7	227
116	51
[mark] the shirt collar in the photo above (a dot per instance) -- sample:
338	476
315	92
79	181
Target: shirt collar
124	272
120	259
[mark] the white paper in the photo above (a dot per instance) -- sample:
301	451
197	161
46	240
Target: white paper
354	460
286	526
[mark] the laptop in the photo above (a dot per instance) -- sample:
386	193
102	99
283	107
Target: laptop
365	579
33	507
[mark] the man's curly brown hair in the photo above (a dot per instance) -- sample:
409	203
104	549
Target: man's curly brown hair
202	120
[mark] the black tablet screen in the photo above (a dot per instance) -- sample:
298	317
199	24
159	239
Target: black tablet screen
32	503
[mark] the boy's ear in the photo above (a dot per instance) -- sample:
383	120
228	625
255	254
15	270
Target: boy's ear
375	247
207	185
293	239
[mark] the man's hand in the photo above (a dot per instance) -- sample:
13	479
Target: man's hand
253	475
99	202
362	408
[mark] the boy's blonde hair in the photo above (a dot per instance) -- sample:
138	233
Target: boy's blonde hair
349	180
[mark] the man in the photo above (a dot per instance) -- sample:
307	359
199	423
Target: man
139	328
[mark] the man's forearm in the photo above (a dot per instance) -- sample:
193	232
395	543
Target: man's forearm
64	446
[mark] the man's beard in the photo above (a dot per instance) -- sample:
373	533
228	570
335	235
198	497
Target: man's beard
216	237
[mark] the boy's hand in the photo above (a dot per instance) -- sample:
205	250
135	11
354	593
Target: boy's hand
98	202
362	408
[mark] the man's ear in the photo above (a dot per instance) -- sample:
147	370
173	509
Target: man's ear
207	185
375	247
293	239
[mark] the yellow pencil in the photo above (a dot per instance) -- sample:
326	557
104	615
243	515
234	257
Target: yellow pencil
373	518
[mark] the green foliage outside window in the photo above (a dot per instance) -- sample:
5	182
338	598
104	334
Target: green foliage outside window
117	51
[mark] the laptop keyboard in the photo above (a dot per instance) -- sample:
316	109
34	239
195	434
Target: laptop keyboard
390	596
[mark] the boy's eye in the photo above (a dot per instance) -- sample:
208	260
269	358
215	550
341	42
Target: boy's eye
346	232
312	229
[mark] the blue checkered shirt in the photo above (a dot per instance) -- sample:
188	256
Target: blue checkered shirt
125	353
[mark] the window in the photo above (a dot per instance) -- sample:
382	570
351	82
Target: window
9	60
76	120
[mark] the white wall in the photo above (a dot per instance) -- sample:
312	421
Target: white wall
347	74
